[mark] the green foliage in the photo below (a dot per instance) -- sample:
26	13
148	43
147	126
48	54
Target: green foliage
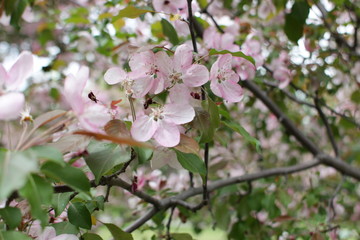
169	31
9	235
235	54
15	167
191	162
90	236
49	153
72	176
181	236
242	131
11	216
130	12
79	215
103	157
117	233
295	20
60	201
65	228
38	192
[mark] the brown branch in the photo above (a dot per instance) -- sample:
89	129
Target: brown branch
327	126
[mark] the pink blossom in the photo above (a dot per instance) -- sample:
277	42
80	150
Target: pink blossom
224	81
92	116
172	6
136	86
180	69
283	75
214	39
10	84
145	63
266	8
162	124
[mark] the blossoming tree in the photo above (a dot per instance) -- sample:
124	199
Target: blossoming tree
171	118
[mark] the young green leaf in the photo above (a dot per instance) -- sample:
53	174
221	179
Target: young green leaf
181	236
295	20
191	162
38	192
79	215
235	54
91	236
15	167
169	31
65	228
13	235
11	216
130	12
117	233
72	176
242	131
104	156
143	154
48	153
59	202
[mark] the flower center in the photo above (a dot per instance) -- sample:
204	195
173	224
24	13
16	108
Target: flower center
157	113
175	77
127	85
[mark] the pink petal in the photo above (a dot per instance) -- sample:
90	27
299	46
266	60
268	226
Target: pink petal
167	134
182	57
142	85
143	128
3	75
20	71
179	113
114	75
141	61
94	117
180	93
164	62
11	104
196	75
73	88
229	90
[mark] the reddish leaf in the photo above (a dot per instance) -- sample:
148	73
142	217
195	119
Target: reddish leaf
187	145
118	140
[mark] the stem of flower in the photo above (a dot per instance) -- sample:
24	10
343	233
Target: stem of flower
133	114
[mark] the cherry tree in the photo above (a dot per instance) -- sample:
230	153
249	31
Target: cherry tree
167	119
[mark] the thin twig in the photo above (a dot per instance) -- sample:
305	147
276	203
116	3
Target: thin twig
168	225
327	126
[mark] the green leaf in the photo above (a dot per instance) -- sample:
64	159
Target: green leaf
355	96
242	131
143	154
79	215
49	153
181	236
12	235
235	54
117	233
191	162
169	31
14	170
104	156
38	192
11	216
295	20
77	20
19	9
202	122
202	3
72	176
130	12
214	114
91	236
59	202
65	228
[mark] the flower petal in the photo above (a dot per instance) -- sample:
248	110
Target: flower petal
167	134
182	57
179	113
3	75
20	71
114	75
229	90
11	104
143	128
196	75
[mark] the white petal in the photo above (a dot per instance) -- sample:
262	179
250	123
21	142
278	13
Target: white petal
114	75
143	128
179	113
11	104
167	134
20	71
